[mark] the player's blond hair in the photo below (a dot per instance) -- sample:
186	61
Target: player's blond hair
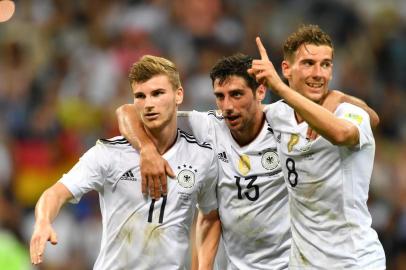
149	66
306	34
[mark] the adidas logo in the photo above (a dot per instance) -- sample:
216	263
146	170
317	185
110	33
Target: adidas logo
223	157
128	176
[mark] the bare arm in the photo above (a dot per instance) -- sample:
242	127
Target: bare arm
131	127
154	168
46	210
373	116
208	232
337	131
335	98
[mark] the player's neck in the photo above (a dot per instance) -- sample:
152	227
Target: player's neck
250	131
165	136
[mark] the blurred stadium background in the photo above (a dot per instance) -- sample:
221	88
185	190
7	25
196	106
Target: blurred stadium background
63	71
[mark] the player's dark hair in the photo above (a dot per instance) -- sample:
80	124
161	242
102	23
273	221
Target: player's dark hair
305	34
236	65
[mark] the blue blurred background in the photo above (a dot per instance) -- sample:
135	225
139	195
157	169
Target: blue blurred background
63	71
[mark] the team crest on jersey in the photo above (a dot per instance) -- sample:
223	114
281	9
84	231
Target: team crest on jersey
294	139
244	164
186	177
270	160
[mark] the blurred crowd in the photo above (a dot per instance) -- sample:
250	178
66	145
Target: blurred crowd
63	72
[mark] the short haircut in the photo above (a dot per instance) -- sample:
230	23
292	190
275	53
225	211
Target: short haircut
236	65
149	66
305	34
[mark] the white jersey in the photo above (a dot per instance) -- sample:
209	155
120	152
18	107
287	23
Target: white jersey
252	195
140	233
328	191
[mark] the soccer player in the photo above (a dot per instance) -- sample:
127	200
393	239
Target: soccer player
328	178
252	196
134	226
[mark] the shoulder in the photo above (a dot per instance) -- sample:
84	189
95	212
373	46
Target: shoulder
277	107
118	142
351	112
211	115
277	113
192	141
215	115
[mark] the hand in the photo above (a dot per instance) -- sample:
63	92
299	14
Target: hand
154	172
263	69
42	233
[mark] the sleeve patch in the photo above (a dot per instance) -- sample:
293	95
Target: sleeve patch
355	117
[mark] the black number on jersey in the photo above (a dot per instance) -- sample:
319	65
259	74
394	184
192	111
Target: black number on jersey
292	174
161	213
250	186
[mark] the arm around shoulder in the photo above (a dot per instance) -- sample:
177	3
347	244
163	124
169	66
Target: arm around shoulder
373	116
130	126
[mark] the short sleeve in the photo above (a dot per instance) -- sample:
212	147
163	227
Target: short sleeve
360	119
207	197
197	123
87	174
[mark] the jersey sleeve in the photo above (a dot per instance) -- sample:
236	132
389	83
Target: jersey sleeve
198	124
207	196
87	174
360	119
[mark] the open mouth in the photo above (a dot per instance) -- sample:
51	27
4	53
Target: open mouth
315	85
232	119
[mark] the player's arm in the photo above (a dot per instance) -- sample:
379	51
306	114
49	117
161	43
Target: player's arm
335	97
208	232
46	210
154	168
337	131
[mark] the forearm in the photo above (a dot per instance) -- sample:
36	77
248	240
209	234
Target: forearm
50	203
337	131
131	127
208	232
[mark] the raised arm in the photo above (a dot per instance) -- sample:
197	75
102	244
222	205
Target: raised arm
334	129
208	232
154	168
46	210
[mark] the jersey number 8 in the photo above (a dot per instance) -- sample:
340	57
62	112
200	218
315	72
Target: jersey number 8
292	174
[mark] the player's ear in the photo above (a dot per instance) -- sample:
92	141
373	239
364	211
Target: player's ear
260	92
179	96
286	69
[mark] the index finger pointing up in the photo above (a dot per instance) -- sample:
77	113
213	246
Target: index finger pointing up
261	49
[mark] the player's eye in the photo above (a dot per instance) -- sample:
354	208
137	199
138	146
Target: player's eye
139	95
219	96
157	93
236	94
307	63
326	64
